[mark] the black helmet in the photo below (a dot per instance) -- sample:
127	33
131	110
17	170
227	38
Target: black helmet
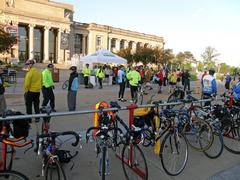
211	71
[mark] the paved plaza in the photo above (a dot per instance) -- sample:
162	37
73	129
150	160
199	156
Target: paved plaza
198	167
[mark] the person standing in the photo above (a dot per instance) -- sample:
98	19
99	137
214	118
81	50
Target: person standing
236	91
209	86
134	78
172	80
100	74
121	82
186	80
228	80
48	86
32	87
86	73
72	89
161	79
3	105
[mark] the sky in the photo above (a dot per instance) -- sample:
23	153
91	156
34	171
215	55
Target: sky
185	25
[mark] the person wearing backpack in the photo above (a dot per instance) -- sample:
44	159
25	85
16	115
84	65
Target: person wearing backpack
100	74
3	104
72	89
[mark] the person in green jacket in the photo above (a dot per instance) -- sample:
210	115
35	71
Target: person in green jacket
86	73
100	74
47	87
134	77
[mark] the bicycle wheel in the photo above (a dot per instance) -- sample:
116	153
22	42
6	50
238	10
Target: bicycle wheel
103	162
198	134
232	139
174	153
54	170
134	163
148	137
216	148
12	175
65	85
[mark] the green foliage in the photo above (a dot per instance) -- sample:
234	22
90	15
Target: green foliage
193	76
210	57
219	77
200	66
6	40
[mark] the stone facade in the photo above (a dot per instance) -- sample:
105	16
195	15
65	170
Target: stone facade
46	32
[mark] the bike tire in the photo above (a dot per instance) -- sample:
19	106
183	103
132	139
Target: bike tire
199	130
51	168
103	164
65	84
180	143
10	174
217	146
136	153
232	140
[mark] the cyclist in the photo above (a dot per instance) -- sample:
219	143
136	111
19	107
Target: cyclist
236	91
48	86
86	73
72	89
3	105
121	82
100	74
32	87
134	77
209	86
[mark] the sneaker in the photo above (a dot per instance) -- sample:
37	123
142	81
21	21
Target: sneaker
123	100
131	101
54	110
119	99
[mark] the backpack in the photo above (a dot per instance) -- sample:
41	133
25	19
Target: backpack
20	127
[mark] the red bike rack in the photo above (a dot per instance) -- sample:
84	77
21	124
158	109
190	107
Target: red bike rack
129	161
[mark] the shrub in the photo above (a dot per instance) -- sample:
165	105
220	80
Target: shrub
193	77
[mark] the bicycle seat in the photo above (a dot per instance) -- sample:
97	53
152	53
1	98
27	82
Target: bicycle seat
114	104
46	109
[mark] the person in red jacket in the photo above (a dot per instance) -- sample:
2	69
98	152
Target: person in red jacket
160	82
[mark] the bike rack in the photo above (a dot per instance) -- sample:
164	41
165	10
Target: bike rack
130	108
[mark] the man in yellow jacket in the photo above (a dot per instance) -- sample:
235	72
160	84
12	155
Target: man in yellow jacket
134	77
86	73
32	87
100	74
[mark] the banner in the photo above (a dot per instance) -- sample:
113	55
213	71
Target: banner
13	30
64	41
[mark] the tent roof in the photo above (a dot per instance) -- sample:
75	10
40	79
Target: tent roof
103	56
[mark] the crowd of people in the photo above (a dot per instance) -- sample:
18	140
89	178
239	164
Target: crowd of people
36	82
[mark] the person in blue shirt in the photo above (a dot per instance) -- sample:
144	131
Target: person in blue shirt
209	86
72	89
236	91
121	78
227	81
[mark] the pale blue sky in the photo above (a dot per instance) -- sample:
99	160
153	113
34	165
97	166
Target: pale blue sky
185	25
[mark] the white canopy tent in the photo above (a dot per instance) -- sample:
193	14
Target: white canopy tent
103	56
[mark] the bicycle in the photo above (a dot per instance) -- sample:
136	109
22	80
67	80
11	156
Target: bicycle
104	140
6	140
52	156
141	91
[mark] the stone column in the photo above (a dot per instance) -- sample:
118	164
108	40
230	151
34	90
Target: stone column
84	44
109	43
46	44
59	46
117	47
134	46
31	40
125	44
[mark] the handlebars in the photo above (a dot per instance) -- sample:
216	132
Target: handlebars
53	135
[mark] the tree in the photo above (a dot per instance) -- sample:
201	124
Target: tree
200	66
6	40
210	57
126	54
